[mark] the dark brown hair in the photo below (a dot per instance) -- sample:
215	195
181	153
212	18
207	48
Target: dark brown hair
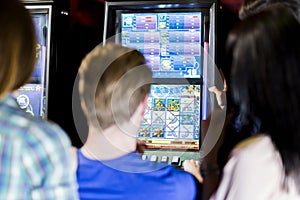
265	53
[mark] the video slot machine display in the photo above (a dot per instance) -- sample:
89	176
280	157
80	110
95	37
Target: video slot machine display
172	117
171	43
31	96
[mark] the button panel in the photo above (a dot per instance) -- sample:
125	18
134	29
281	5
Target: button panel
174	158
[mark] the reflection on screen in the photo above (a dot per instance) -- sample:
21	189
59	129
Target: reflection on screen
171	42
172	118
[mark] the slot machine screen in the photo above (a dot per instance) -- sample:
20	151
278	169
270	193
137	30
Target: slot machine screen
172	117
170	42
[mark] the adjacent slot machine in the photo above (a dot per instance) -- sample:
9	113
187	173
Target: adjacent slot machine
33	96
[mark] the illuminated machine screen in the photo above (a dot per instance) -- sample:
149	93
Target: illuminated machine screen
31	96
171	42
172	118
176	38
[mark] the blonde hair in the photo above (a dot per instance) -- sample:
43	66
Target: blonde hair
17	46
113	81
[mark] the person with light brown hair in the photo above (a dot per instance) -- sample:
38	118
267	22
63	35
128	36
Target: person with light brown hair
35	160
114	83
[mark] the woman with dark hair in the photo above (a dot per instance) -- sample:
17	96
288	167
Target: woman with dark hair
250	7
265	51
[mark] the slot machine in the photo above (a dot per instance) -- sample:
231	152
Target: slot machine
33	96
175	37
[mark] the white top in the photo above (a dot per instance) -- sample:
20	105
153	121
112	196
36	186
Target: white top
254	171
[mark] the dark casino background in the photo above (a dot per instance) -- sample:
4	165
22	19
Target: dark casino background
76	28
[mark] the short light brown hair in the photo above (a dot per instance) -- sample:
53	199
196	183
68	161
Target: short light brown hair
17	46
113	81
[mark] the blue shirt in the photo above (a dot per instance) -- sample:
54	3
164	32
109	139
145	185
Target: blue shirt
130	177
35	157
